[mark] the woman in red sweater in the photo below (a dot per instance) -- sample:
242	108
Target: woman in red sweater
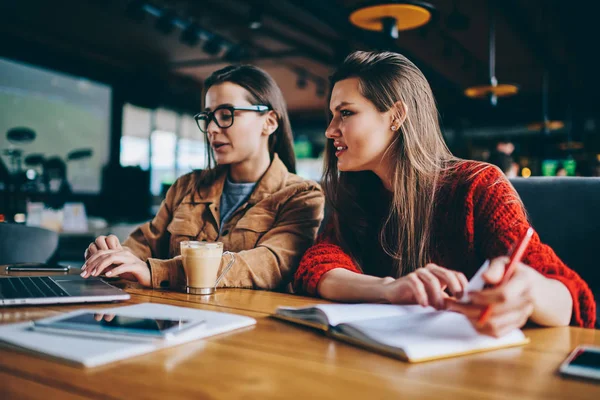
410	222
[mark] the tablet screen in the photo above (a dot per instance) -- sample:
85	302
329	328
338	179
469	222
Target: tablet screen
120	324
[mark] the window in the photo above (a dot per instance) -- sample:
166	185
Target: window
162	141
134	142
191	149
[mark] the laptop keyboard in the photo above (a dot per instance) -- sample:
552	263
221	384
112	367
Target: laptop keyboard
30	287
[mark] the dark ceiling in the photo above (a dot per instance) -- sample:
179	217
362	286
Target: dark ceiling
305	39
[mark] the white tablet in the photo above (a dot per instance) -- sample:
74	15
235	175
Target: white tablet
584	362
89	323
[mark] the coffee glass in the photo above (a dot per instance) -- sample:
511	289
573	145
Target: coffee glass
201	262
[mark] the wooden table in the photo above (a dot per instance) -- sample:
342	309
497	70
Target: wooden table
275	359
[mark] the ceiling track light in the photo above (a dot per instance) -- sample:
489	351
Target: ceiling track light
190	35
213	46
302	81
165	24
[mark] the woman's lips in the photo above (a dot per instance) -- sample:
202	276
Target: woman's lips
339	150
220	147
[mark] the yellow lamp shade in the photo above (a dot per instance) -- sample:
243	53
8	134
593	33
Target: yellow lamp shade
551	125
408	16
500	90
571	146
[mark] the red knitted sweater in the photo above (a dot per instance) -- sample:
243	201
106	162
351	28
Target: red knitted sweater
477	216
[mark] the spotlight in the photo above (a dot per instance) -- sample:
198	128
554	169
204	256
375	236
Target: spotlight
255	17
165	24
189	35
212	46
302	80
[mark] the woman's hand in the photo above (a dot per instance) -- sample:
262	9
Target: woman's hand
118	262
110	242
512	302
105	317
426	286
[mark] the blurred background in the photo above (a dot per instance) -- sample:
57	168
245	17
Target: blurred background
97	96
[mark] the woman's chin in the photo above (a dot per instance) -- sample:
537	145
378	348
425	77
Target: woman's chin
344	167
223	159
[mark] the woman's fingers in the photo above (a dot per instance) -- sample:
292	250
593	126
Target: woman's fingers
500	325
104	260
418	289
94	258
136	270
517	287
113	242
456	281
464	282
469	310
101	243
433	287
109	317
495	272
90	251
121	269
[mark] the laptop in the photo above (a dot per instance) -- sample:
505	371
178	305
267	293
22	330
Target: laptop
57	289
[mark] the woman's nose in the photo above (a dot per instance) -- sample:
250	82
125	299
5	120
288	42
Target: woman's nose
212	128
332	130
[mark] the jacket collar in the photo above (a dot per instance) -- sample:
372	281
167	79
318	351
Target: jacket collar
271	181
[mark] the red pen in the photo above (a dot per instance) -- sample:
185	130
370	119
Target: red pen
509	269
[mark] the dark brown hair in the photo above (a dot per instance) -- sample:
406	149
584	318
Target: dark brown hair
263	90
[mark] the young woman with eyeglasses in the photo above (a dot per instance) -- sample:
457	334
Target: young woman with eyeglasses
251	200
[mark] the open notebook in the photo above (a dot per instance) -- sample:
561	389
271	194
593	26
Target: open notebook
411	333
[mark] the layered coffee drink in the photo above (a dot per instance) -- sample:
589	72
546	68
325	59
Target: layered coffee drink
201	262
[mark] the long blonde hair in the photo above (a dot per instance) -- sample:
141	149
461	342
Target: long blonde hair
419	156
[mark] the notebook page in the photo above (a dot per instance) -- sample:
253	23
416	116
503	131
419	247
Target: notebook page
341	313
428	335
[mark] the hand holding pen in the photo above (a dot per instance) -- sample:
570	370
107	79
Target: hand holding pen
507	302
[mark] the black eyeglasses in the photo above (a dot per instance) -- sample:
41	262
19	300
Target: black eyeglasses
223	116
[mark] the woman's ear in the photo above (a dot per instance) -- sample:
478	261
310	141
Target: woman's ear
271	123
399	113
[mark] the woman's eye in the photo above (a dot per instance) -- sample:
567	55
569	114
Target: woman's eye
345	113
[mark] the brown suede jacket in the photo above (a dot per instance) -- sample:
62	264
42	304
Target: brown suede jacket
269	233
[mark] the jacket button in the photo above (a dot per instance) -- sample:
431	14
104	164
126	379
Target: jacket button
225	232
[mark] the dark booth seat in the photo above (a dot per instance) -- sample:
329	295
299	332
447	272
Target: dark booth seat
565	211
20	243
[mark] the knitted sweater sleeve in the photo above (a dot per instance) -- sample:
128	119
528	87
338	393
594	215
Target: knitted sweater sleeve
500	220
322	257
